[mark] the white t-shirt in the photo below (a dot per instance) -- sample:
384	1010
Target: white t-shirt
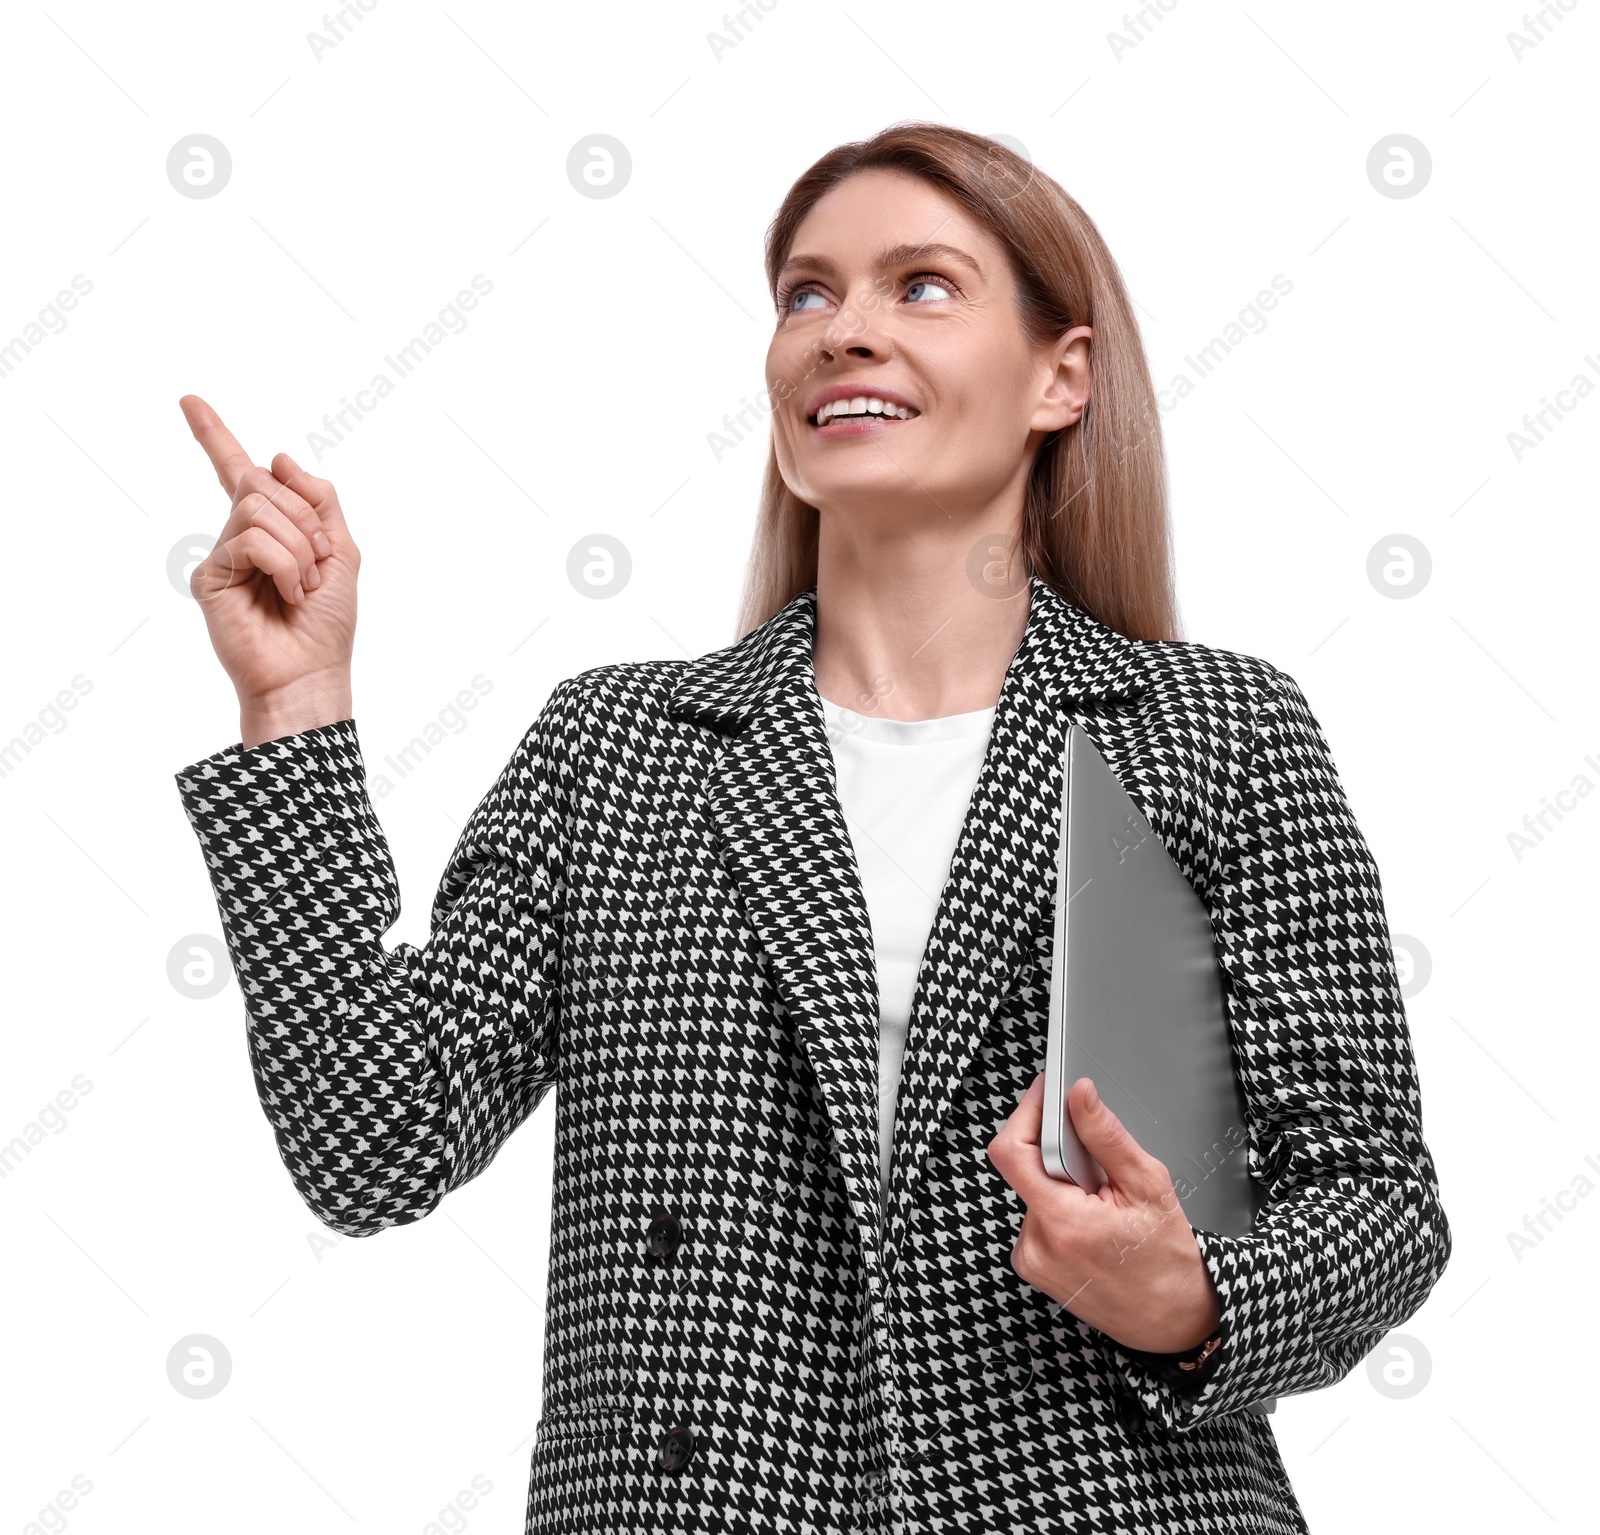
904	786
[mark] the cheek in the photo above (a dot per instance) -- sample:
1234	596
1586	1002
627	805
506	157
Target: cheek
994	421
786	361
978	426
978	379
781	396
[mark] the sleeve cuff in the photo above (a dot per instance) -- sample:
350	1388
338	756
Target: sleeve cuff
235	800
331	749
1259	1340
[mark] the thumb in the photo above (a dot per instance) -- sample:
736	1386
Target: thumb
1105	1137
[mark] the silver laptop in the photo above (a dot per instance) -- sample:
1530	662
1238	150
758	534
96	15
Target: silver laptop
1136	1003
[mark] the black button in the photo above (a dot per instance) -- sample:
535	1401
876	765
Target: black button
677	1445
1130	1410
663	1237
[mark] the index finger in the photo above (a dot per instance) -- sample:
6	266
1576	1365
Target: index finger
222	447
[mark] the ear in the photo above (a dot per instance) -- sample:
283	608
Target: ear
1067	384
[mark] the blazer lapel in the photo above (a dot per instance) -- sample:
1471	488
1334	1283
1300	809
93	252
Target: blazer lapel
773	793
993	929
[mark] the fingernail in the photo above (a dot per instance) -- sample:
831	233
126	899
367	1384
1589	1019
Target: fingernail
299	594
319	542
313	576
1094	1097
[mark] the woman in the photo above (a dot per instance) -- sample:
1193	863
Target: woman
807	1271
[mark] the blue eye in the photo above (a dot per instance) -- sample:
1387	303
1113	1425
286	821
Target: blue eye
788	295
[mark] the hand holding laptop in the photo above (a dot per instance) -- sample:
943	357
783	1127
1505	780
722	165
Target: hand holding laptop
1123	1259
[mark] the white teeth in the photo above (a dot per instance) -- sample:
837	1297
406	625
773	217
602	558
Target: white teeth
862	405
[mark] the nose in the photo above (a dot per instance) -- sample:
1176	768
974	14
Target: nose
853	332
855	349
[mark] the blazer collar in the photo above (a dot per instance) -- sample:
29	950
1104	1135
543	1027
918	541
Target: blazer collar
1065	654
772	792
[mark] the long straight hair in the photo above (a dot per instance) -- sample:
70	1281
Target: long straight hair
1094	519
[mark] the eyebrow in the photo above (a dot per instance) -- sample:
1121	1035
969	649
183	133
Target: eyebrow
892	256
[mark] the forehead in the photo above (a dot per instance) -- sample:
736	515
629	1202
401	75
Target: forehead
878	212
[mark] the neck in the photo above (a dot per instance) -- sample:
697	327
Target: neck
903	632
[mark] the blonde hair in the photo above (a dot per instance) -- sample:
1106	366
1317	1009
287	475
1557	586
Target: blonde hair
1094	520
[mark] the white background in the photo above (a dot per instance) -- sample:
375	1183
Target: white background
372	1381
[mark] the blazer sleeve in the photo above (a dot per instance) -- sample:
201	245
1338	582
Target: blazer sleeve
389	1076
1353	1236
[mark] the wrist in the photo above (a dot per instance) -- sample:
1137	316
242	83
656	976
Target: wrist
1204	1310
324	699
1188	1369
1185	1326
1206	1327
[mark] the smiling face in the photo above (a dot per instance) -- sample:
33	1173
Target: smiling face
893	293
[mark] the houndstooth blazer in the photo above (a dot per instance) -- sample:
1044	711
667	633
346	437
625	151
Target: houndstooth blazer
656	910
